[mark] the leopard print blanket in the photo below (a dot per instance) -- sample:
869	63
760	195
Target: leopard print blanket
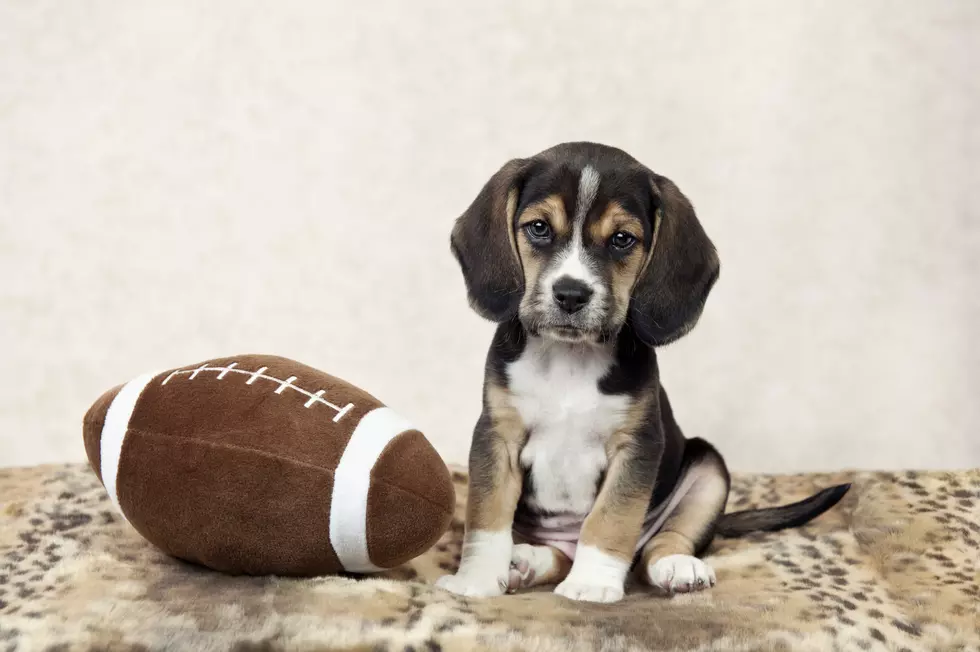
893	567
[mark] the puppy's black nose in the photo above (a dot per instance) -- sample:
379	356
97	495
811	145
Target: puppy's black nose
570	294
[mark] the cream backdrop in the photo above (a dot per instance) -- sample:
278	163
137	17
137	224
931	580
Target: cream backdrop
181	180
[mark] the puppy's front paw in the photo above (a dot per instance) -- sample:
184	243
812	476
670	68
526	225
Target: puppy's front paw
476	583
588	592
680	574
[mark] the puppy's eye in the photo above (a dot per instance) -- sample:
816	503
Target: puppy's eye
622	240
538	230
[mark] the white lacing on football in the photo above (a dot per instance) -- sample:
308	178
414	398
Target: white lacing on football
313	397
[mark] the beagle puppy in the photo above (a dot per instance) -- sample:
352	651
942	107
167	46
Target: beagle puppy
588	261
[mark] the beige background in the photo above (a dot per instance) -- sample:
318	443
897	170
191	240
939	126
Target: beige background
182	180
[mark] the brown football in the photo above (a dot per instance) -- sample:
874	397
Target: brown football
261	465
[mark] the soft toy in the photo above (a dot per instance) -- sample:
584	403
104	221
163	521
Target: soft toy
261	465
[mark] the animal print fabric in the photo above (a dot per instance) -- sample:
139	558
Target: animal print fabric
893	567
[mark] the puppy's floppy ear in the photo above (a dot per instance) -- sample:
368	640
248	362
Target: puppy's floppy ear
483	243
682	268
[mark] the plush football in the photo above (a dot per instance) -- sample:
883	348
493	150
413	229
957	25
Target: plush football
261	465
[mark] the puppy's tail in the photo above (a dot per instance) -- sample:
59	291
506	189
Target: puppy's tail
777	518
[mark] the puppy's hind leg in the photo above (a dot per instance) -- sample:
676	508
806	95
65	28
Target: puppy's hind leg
534	565
668	560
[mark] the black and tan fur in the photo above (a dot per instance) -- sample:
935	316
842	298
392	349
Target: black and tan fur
644	295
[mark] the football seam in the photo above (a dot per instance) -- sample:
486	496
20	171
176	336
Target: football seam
392	485
421	549
280	458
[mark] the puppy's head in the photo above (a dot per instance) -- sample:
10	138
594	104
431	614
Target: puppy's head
579	241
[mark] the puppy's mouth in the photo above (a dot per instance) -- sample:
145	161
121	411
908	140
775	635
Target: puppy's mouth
569	334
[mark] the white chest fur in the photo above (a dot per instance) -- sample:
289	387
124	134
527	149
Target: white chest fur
555	388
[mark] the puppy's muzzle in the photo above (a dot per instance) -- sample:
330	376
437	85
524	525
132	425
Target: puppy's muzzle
570	294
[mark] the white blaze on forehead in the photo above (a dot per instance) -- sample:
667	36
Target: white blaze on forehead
573	261
588	187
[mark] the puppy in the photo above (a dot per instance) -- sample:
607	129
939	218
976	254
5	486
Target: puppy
588	261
